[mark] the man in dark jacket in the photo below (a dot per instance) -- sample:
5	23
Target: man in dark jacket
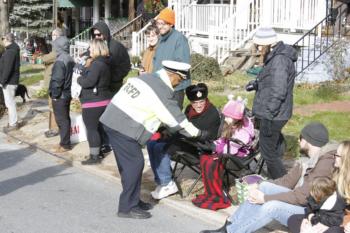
60	90
273	102
120	60
9	78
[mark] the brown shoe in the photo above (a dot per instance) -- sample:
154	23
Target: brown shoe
61	149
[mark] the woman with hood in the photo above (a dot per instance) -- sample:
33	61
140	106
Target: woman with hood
273	101
59	90
95	96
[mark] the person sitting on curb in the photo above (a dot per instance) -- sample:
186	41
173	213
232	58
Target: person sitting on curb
202	114
327	217
132	117
281	198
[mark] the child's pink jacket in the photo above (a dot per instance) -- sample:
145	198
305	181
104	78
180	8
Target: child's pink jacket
244	134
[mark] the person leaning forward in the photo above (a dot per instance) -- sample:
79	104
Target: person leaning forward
133	115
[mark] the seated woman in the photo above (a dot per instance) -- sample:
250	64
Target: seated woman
202	114
328	215
237	126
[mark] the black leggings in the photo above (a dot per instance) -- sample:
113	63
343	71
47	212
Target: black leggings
95	132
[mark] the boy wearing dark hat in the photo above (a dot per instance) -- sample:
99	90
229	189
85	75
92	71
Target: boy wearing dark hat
281	198
203	115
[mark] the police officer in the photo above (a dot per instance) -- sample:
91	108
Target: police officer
133	115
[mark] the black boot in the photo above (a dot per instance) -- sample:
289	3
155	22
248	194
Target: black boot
220	230
94	159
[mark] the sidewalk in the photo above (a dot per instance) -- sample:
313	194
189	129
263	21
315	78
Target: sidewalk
35	114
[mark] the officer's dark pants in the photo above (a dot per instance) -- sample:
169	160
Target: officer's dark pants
61	111
272	147
130	162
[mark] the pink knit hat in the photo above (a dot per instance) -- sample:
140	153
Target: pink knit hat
234	109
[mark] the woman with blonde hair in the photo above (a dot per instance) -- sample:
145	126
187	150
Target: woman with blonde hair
341	176
95	96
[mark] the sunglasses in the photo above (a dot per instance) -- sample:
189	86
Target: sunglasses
97	34
336	155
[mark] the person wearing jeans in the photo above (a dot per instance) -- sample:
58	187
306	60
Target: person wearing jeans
9	78
281	198
59	91
202	114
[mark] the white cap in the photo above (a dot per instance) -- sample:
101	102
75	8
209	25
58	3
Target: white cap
180	68
265	36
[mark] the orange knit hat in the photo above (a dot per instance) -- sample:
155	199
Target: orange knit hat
167	15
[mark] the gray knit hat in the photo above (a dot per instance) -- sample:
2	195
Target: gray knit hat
316	134
265	36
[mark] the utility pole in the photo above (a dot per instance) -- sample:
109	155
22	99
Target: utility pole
4	17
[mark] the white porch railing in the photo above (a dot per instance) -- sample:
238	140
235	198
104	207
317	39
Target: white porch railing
236	30
293	14
226	27
139	42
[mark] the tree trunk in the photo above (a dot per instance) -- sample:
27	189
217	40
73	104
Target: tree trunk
131	10
4	18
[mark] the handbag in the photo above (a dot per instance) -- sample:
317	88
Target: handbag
243	183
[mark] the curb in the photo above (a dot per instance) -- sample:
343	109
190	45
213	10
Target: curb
208	216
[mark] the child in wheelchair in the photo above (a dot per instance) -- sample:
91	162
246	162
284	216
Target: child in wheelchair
237	133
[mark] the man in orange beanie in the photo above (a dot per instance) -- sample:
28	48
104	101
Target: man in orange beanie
172	45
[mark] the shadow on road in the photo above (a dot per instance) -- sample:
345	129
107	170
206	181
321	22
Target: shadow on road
33	178
12	157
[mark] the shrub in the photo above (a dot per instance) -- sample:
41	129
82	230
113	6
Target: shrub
204	68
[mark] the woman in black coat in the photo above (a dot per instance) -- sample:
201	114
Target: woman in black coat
95	96
204	116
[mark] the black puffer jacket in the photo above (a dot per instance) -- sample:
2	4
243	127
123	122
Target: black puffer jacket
120	60
274	97
329	212
9	65
98	77
62	71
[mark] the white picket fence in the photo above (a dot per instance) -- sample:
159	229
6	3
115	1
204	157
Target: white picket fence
225	27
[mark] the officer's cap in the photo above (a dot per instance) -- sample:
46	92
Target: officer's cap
179	68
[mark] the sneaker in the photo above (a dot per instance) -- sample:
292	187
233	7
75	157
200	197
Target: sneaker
9	128
51	133
105	149
165	191
156	190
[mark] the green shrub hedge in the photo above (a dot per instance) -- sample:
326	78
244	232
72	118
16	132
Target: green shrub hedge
204	68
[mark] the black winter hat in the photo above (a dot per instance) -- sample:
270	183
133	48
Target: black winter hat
316	134
197	92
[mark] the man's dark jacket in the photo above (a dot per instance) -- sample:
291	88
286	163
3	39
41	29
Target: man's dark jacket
274	97
98	77
9	65
62	71
120	60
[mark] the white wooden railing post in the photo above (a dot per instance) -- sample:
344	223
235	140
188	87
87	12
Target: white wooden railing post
134	43
267	12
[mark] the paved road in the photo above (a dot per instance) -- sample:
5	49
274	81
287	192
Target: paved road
39	194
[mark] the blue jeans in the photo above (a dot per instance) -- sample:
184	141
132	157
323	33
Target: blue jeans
160	162
251	217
